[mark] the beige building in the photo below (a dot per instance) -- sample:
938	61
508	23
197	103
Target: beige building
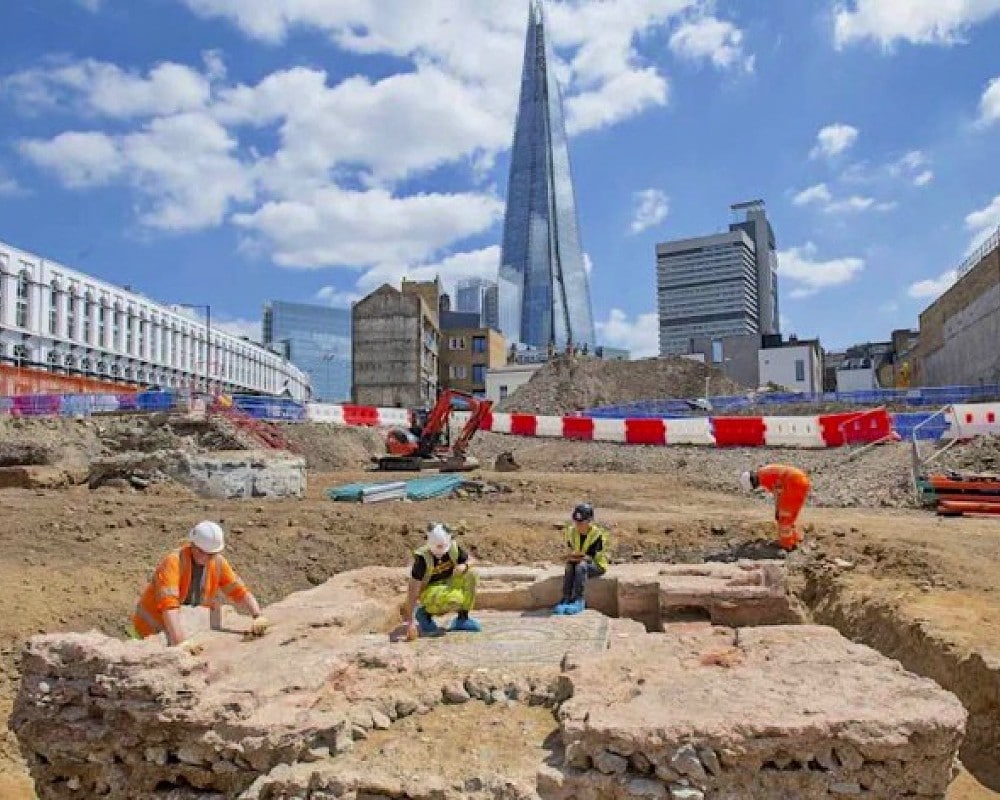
468	352
960	330
394	347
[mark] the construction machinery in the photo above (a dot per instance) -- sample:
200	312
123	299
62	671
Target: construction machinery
427	444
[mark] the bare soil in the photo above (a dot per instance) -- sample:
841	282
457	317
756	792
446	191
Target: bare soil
920	588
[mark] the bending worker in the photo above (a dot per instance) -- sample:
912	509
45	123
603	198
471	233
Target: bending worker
441	581
790	487
587	558
196	574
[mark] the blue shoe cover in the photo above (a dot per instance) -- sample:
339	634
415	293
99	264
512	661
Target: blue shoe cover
576	607
466	625
426	623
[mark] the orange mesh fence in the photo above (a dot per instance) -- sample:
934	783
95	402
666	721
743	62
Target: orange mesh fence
21	381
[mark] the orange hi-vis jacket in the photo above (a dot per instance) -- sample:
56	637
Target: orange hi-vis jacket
171	582
790	487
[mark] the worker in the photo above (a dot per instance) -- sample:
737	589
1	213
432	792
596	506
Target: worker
790	487
196	574
587	558
441	581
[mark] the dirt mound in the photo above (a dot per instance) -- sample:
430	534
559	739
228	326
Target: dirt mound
329	448
981	455
569	383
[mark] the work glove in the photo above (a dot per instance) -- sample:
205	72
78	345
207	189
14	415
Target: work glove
259	626
412	633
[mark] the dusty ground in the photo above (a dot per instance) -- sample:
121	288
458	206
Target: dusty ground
76	559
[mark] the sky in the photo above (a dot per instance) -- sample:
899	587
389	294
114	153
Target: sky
232	152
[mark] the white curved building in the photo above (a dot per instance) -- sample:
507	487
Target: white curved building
63	321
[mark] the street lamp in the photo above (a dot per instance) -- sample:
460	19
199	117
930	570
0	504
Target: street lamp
208	339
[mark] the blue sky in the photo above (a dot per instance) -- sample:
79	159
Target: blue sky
234	151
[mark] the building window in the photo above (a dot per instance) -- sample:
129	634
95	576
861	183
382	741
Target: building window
102	324
71	314
53	360
116	329
129	325
478	344
717	352
457	371
142	337
800	370
20	355
114	370
456	343
503	392
70	363
88	313
54	309
21	318
102	367
479	374
85	366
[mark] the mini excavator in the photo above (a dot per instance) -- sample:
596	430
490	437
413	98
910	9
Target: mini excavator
426	443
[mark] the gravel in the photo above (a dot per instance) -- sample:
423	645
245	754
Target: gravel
571	383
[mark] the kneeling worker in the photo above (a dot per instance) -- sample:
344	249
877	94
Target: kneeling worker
790	486
441	581
196	574
587	558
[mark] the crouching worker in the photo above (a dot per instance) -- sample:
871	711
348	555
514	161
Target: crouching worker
196	574
441	581
790	487
587	558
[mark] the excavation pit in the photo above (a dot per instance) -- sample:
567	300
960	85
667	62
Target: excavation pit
318	708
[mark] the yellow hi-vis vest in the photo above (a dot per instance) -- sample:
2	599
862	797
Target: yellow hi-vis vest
594	532
428	557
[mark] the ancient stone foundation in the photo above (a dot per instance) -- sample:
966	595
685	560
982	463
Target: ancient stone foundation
243	473
330	704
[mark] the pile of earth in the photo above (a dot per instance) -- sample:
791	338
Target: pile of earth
572	383
331	448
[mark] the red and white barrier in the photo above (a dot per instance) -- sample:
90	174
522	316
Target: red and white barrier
825	430
967	420
357	415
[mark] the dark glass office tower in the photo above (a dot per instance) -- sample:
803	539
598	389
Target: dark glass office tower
544	292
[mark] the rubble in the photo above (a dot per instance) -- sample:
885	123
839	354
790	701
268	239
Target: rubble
590	706
570	383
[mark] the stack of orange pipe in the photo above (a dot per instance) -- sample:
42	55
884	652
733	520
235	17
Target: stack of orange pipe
959	495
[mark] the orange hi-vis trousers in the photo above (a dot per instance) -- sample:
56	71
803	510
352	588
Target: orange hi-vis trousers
791	488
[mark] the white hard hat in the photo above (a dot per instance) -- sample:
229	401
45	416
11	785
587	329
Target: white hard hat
208	536
439	539
746	481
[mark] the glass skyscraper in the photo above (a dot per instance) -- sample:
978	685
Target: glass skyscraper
544	292
317	339
478	296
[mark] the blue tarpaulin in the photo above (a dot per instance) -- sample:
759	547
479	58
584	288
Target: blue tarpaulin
416	489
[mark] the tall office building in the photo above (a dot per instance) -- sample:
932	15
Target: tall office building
756	225
317	339
718	286
544	292
478	296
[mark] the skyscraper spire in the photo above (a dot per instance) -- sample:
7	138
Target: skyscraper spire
544	291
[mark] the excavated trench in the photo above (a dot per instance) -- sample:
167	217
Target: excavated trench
870	618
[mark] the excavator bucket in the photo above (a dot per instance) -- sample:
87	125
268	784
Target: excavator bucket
505	462
457	463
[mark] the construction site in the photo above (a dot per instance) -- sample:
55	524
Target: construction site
709	662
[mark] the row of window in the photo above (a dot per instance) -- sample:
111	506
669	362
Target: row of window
460	372
459	342
81	317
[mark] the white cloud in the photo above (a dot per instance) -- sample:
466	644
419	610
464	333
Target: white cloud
337	298
942	22
651	207
183	166
8	186
932	287
833	140
333	226
588	265
989	103
912	167
799	265
923	178
711	39
640	336
482	263
983	222
99	88
237	326
93	6
819	193
889	307
79	160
